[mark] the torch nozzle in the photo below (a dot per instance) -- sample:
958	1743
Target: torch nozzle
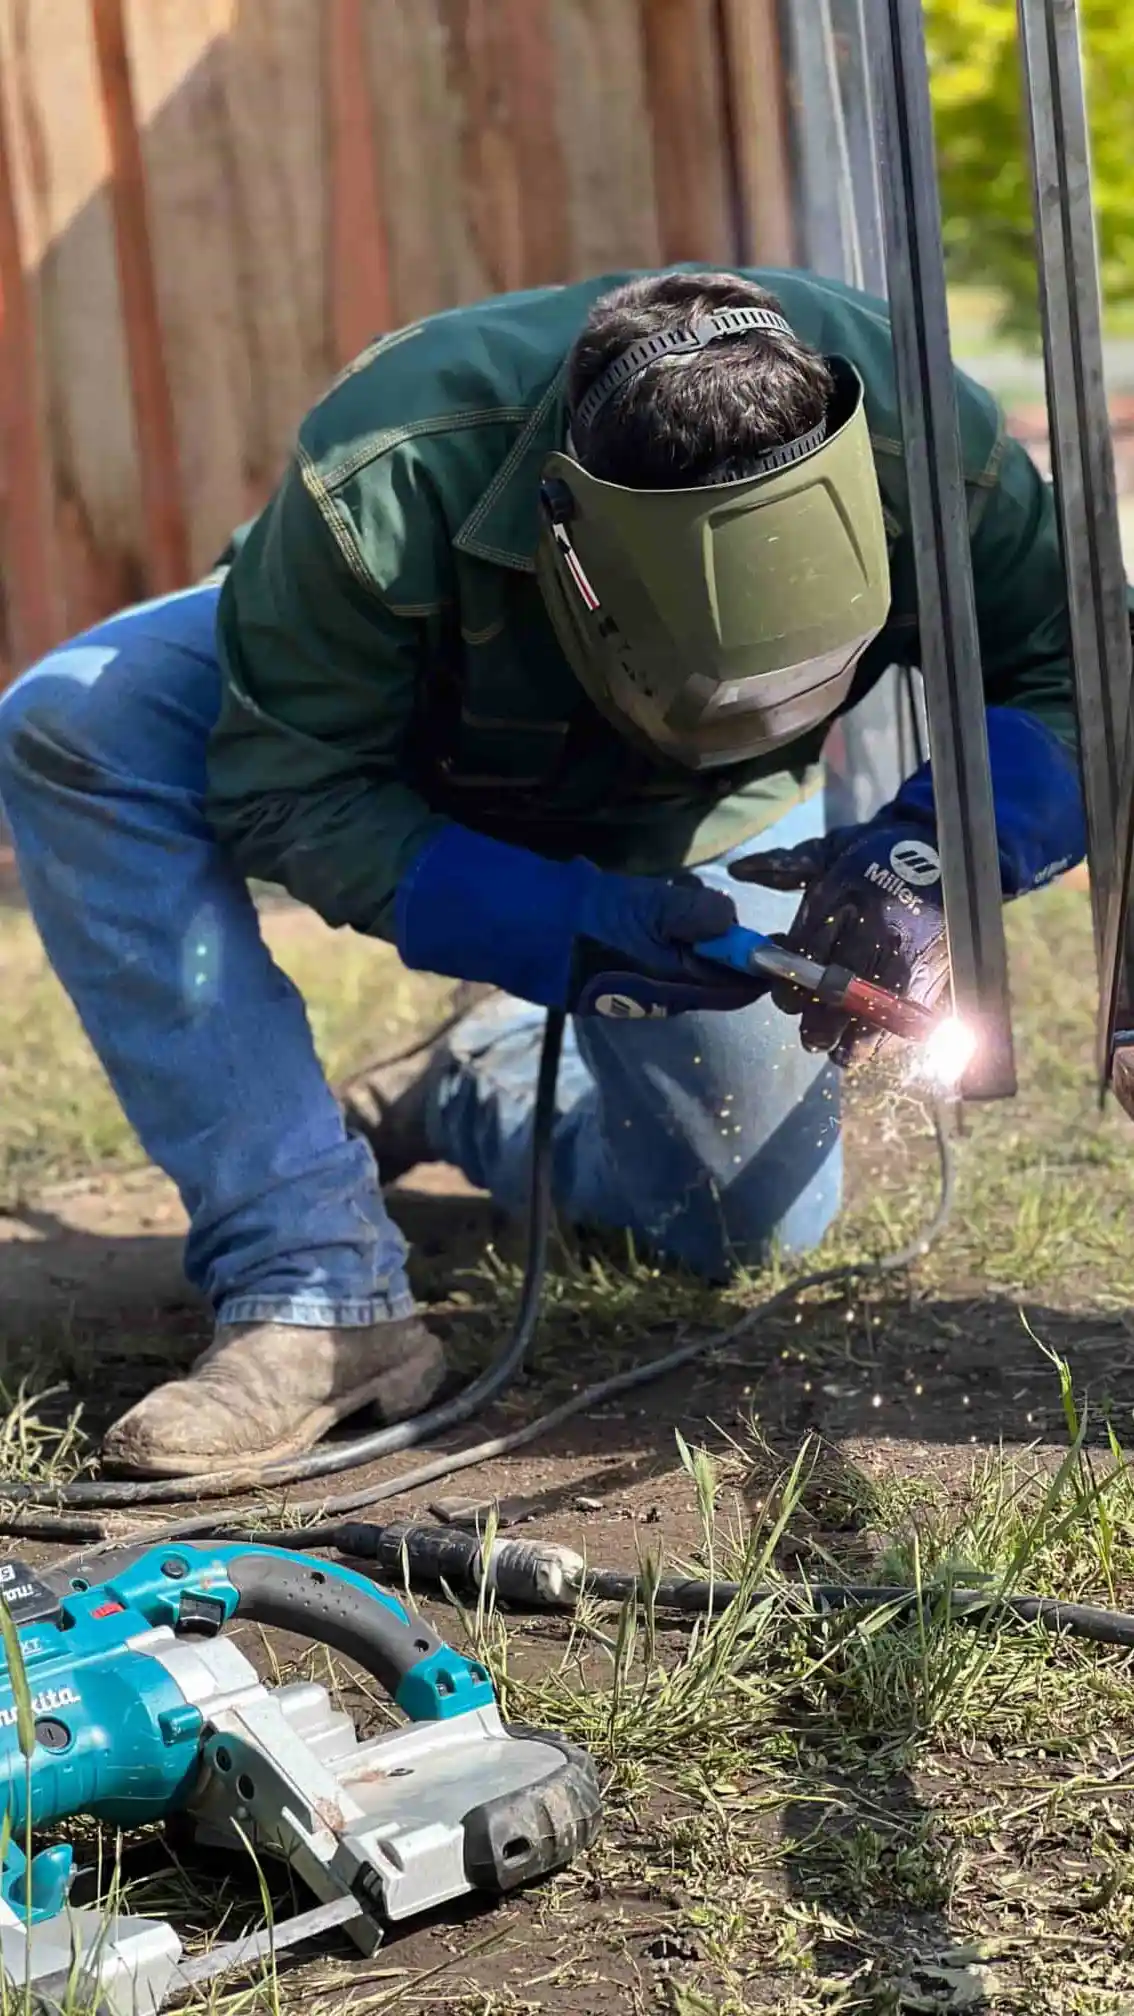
837	986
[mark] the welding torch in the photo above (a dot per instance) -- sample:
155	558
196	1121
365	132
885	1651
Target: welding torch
751	952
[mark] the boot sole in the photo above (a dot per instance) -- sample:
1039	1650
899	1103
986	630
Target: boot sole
305	1436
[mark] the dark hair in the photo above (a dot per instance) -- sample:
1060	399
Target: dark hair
706	418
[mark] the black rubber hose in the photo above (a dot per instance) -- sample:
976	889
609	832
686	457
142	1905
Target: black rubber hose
440	1558
209	1526
335	1456
972	1606
538	1575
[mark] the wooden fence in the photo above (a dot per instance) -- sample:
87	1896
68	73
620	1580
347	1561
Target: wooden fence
206	206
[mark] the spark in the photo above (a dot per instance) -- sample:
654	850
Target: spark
943	1060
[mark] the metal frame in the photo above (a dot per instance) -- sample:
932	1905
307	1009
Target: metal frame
1082	459
1116	1002
879	742
826	192
950	645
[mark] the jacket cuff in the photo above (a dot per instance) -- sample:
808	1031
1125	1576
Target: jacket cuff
477	909
1040	825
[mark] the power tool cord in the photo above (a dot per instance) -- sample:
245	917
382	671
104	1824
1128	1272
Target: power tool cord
685	1596
486	1388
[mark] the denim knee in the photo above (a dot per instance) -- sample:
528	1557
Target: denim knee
719	1137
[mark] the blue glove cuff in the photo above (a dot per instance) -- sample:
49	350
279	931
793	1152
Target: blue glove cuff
1040	825
478	909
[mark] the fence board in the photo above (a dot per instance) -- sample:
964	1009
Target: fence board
511	142
155	437
359	261
235	150
604	122
685	81
60	168
28	549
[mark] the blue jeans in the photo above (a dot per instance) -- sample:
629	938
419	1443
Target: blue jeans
708	1137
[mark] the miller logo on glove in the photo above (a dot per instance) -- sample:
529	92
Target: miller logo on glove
872	902
872	897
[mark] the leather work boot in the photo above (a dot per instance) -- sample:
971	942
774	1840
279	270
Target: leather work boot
266	1391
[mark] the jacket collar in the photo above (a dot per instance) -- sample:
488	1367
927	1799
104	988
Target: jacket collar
503	525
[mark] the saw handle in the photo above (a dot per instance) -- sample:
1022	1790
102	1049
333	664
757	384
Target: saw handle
288	1593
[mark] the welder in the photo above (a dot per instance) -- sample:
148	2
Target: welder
527	668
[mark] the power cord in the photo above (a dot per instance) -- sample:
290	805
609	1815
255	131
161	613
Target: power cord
94	1495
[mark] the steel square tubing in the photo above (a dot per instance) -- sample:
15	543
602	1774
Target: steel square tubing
1082	456
950	647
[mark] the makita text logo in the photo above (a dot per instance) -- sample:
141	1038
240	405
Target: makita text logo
42	1704
17	1592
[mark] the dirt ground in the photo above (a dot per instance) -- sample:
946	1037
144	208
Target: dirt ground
791	1825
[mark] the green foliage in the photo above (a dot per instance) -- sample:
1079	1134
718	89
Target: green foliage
985	191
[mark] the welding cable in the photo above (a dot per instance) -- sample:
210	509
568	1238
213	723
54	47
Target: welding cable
109	1495
543	1575
90	1495
112	1495
600	1393
490	1383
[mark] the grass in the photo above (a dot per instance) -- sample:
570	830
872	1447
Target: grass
806	1814
851	1805
59	1115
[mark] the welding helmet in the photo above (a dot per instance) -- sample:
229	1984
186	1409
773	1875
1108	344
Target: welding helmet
713	624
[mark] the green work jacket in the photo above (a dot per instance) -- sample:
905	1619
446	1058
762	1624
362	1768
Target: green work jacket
388	662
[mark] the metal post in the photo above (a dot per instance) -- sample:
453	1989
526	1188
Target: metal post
837	171
849	32
873	747
1116	1003
950	645
1082	457
826	197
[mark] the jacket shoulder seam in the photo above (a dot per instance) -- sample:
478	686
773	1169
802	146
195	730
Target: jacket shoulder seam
377	445
347	544
377	348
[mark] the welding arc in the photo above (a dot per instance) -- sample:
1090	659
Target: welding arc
93	1496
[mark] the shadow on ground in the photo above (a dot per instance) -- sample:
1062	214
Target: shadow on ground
896	1382
92	1290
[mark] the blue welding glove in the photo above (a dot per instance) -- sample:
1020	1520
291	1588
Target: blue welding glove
872	894
564	933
